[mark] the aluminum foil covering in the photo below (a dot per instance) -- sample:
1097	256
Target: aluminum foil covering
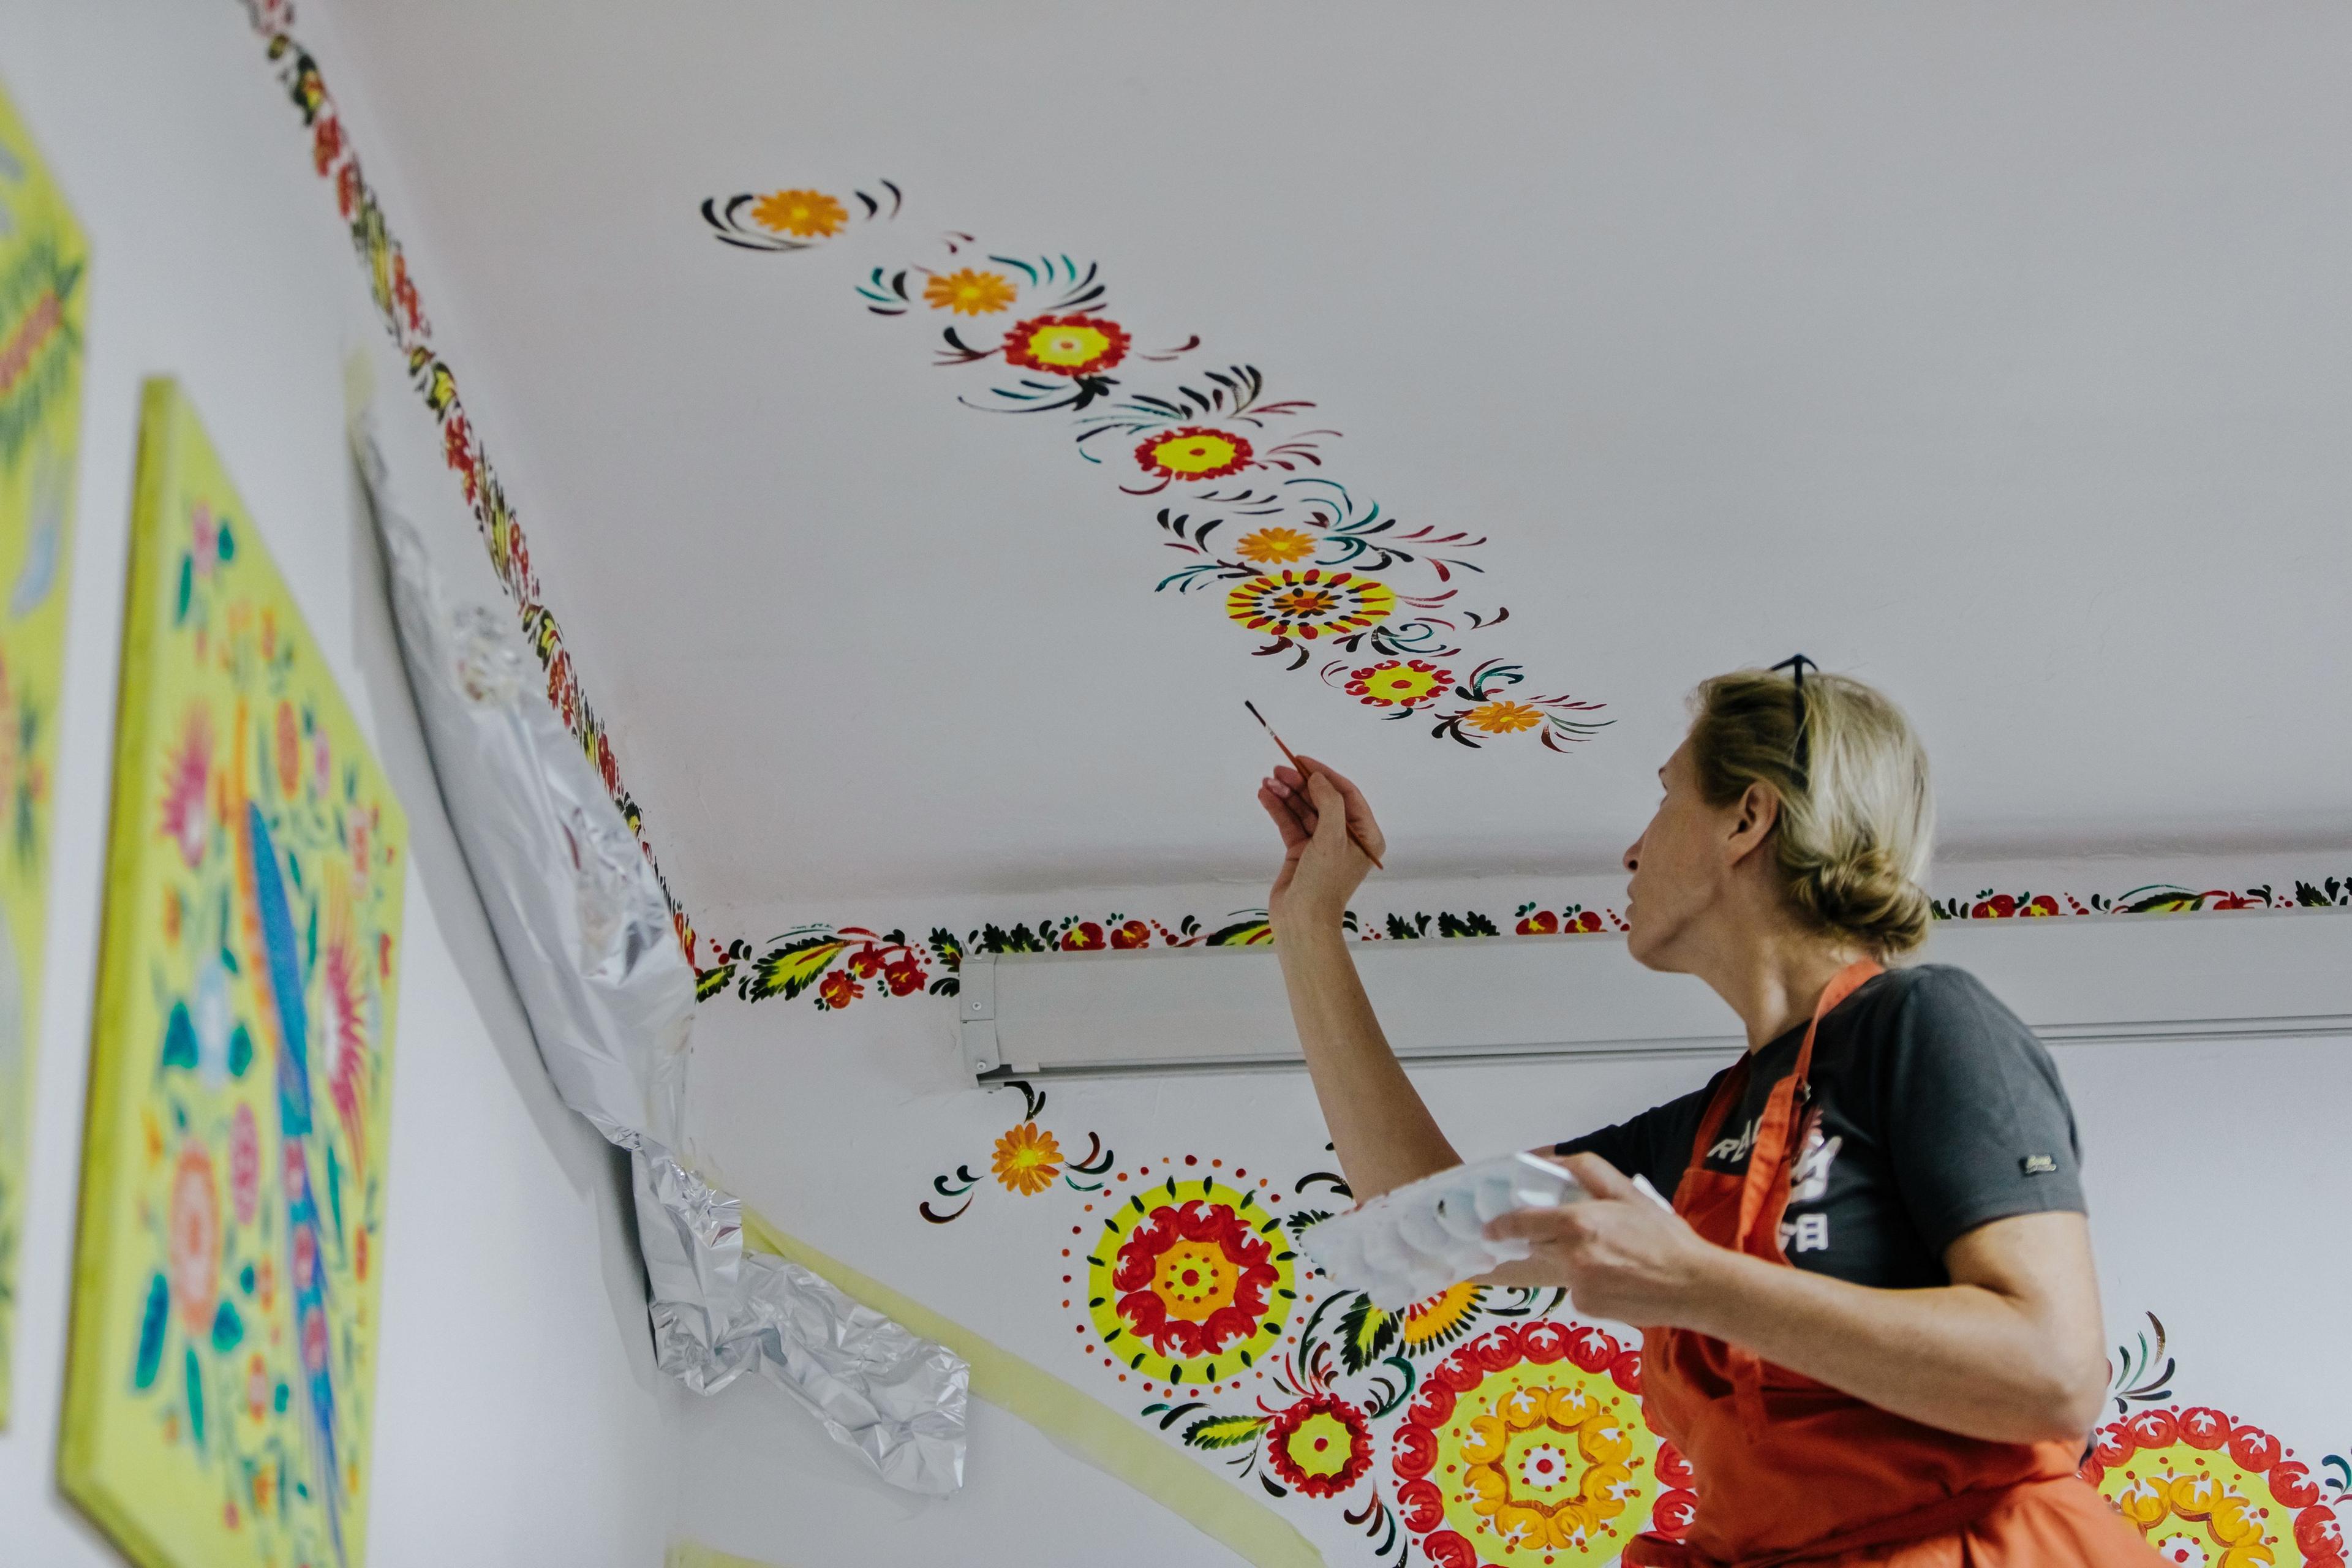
585	933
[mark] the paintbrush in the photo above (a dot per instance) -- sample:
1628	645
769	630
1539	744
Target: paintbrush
1302	774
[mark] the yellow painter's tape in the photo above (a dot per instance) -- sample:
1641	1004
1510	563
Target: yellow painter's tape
694	1554
1080	1425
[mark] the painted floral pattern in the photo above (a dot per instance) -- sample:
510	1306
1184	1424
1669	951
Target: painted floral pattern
803	215
400	306
44	304
1310	604
1192	452
1527	1446
1398	683
783	972
1275	546
2205	1487
221	1387
1025	1160
1067	345
1255	500
1525	1412
969	293
1190	1281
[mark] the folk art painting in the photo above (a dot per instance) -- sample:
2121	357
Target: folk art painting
220	1376
1236	478
835	964
44	265
1485	1427
400	309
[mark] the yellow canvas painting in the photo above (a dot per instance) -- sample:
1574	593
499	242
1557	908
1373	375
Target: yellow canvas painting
221	1379
44	270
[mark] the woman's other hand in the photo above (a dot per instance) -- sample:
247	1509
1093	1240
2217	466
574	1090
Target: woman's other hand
1620	1254
1322	863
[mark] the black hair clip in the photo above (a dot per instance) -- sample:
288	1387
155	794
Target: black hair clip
1801	755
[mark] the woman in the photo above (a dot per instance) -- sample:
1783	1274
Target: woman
1870	1321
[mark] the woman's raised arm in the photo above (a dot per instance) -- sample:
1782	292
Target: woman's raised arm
1382	1133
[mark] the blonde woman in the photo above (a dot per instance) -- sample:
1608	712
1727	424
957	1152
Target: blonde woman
1870	1321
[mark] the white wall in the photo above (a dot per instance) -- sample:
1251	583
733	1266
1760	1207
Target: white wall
519	1419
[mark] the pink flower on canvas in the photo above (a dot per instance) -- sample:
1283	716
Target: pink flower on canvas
205	550
244	1165
347	1045
289	749
184	788
322	761
195	1238
306	1260
314	1340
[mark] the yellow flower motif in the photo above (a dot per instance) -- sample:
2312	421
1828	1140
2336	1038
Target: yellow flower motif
1439	1318
1310	604
1502	717
1276	546
969	293
1189	454
1320	1445
1068	344
1026	1160
805	214
1399	683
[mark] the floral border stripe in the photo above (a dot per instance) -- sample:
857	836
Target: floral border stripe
837	965
1287	550
399	304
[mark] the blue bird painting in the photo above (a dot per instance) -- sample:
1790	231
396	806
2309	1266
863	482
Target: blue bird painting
281	963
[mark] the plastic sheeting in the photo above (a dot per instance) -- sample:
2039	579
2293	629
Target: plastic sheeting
585	932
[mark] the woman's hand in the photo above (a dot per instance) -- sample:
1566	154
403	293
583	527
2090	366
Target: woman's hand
1322	863
1620	1254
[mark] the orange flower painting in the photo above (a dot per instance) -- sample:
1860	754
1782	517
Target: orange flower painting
803	215
967	292
1026	1160
1275	546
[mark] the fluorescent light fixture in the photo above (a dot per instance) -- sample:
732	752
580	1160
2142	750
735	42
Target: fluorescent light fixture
2081	978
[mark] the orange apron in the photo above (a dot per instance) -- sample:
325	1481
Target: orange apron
1792	1471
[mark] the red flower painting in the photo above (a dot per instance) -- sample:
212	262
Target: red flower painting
1193	1279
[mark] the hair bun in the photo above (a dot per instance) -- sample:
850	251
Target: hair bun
1868	897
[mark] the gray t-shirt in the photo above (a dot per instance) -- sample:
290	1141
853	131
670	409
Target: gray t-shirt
1935	1110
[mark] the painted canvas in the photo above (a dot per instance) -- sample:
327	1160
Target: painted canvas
228	1263
44	264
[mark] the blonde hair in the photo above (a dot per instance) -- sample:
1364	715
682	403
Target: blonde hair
1857	817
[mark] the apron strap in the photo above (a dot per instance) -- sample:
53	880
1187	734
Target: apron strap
1768	1177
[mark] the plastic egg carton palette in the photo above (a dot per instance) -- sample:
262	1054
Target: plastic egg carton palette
1407	1244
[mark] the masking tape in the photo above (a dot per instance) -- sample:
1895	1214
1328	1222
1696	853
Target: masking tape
1080	1425
694	1554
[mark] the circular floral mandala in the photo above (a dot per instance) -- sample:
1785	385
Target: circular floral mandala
1311	604
1398	683
1067	345
1194	452
1190	1281
2204	1488
1321	1445
1525	1446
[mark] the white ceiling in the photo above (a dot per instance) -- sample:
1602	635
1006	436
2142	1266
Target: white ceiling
1997	353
